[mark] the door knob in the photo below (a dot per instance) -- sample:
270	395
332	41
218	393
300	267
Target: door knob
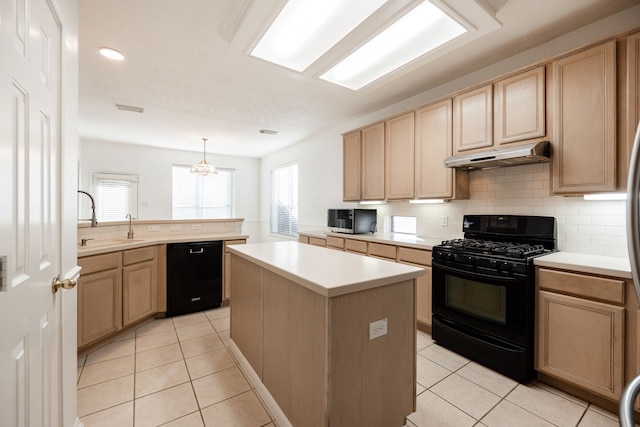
56	284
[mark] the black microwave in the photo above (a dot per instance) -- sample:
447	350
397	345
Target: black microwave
352	221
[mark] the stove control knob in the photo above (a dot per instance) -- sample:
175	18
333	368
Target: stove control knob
504	266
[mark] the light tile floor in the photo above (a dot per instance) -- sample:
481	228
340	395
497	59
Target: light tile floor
180	372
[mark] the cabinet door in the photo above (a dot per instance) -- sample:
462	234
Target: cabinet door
628	103
139	291
351	170
423	297
433	145
519	107
473	119
399	157
373	162
99	305
584	121
581	342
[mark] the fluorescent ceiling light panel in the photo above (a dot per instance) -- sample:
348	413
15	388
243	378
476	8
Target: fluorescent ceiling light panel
306	29
420	31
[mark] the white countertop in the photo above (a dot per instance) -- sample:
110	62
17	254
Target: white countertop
325	271
100	246
585	263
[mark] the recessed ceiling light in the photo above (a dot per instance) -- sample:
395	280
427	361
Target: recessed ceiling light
420	31
107	52
306	29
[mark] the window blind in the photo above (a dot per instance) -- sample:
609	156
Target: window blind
196	196
284	200
116	195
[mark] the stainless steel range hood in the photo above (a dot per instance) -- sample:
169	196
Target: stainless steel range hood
534	152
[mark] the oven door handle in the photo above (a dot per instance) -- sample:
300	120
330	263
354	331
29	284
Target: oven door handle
476	274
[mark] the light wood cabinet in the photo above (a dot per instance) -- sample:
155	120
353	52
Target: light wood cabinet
580	340
380	250
351	166
420	258
226	272
473	119
519	107
317	241
357	246
373	162
399	157
584	121
334	242
99	297
433	144
628	103
139	284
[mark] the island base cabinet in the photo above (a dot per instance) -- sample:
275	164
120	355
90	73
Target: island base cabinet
581	342
313	354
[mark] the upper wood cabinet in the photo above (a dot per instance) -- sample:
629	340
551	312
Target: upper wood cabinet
373	162
519	107
433	144
473	119
399	157
584	121
351	166
628	102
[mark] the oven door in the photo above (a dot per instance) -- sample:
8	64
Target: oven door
486	304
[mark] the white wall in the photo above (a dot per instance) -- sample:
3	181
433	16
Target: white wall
153	167
588	227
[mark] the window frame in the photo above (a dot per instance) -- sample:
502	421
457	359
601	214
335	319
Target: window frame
201	207
275	223
97	193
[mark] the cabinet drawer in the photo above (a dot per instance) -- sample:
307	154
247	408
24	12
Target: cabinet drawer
317	241
384	251
600	288
233	242
91	264
335	242
415	256
133	256
355	246
303	239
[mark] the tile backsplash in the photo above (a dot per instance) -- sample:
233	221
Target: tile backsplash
591	227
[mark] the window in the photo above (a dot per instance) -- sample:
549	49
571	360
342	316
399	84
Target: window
284	200
116	195
403	224
196	196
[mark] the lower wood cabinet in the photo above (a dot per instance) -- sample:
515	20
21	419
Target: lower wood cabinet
99	297
420	258
139	284
115	290
579	340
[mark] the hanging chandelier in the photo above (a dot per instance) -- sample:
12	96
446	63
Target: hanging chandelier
204	168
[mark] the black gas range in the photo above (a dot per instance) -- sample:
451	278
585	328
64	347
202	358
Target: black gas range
483	290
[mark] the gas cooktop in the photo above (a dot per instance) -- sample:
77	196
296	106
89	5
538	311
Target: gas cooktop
507	249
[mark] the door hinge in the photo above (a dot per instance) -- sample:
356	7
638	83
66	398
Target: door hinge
4	279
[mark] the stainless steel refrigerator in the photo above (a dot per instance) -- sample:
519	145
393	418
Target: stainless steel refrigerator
633	241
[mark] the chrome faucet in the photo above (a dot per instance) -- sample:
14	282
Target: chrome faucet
130	233
94	222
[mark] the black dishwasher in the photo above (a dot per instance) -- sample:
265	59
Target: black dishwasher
194	277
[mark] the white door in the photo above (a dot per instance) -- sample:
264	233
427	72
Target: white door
30	176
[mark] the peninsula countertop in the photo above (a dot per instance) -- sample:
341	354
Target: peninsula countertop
325	271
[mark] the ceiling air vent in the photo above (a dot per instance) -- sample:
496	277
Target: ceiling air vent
268	132
131	108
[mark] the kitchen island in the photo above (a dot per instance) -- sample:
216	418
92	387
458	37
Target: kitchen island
326	337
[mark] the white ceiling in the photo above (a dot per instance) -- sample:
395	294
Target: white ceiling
187	65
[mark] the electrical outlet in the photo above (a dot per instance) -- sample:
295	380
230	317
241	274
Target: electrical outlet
154	228
378	328
176	227
196	226
444	222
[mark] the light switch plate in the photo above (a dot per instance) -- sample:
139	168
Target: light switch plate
378	328
176	227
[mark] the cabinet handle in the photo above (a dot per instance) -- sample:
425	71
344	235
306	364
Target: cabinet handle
56	284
